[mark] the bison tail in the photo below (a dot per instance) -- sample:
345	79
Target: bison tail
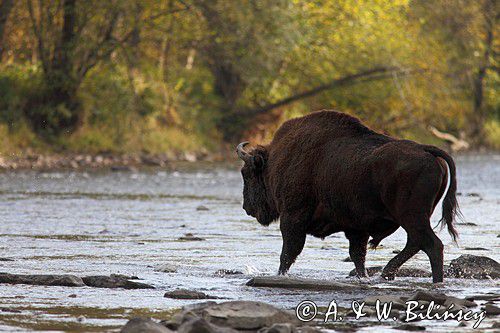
450	204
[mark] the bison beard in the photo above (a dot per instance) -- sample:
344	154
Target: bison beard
326	172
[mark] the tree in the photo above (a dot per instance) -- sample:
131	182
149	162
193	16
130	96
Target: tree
468	30
72	37
5	8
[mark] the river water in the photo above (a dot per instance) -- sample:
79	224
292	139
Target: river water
101	223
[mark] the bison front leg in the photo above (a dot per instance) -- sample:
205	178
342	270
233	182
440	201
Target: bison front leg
358	241
294	238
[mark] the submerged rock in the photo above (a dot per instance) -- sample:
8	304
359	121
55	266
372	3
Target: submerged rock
65	280
166	268
143	325
224	272
279	328
190	237
469	266
492	310
398	302
410	327
300	283
187	294
402	272
475	249
103	281
200	325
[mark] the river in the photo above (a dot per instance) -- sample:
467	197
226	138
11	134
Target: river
103	222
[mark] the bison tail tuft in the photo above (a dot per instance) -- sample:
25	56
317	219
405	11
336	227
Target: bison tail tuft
450	204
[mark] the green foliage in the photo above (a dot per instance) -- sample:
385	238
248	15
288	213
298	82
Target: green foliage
173	75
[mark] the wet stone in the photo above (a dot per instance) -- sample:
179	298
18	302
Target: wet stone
224	272
397	301
143	325
279	328
475	249
485	297
103	281
402	272
246	315
166	268
6	259
202	208
42	280
410	327
492	310
200	325
469	266
189	237
187	294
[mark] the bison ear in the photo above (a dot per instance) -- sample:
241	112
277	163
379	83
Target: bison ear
259	158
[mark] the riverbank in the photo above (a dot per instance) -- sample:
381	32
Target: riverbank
130	161
118	162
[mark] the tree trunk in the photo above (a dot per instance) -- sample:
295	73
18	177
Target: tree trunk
57	109
479	115
5	8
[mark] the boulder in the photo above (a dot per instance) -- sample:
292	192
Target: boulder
200	325
143	325
397	301
469	266
492	310
402	272
103	281
246	315
187	294
65	280
279	328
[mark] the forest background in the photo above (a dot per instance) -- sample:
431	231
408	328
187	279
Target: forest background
198	76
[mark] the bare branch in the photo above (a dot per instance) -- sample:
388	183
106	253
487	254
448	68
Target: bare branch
364	76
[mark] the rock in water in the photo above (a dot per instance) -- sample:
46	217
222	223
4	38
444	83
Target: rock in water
246	315
42	280
200	325
103	281
166	268
143	325
409	327
189	237
402	272
224	272
279	328
469	266
492	310
187	294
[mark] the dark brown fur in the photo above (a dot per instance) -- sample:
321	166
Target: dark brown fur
326	172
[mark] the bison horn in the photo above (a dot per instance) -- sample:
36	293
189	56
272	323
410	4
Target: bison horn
240	149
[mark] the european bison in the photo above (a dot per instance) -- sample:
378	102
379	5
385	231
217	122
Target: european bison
326	172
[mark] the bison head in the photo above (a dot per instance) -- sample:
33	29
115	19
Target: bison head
256	201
